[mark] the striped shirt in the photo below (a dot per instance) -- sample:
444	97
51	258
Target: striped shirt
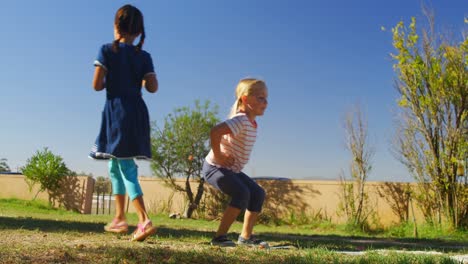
238	143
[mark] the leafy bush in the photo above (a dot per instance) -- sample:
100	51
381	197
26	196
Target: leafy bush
45	169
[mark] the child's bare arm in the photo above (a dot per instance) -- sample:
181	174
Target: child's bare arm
98	80
216	134
150	82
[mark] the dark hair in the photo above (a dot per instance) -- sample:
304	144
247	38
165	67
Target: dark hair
129	20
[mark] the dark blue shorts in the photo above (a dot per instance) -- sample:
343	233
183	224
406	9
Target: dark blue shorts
244	192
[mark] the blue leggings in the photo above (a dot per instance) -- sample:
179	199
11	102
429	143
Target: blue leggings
124	177
244	192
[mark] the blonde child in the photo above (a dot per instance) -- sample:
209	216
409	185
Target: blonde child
122	69
231	144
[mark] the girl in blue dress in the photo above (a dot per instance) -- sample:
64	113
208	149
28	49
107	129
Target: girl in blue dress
122	69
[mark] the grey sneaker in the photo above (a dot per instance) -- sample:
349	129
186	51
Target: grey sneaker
222	241
252	242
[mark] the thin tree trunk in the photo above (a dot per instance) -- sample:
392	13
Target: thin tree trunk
103	202
35	196
97	203
415	230
194	203
109	204
188	191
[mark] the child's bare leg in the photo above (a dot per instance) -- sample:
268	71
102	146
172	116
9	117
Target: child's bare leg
139	205
119	224
119	207
229	216
249	221
145	227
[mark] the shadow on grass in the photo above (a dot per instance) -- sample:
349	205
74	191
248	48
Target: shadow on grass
357	243
331	242
113	254
46	225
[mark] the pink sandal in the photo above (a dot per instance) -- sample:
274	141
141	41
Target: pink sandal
117	226
143	231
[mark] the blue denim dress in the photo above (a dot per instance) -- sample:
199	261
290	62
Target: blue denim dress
125	125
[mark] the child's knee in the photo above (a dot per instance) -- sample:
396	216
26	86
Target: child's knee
256	203
241	200
135	194
260	193
240	204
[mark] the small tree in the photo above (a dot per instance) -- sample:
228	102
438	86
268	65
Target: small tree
355	201
102	185
4	166
432	80
45	169
180	147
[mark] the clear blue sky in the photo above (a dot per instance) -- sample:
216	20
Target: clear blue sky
317	57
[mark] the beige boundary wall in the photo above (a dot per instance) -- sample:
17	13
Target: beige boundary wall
284	198
306	197
76	193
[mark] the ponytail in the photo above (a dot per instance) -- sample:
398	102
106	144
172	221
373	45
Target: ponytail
115	45
139	46
235	107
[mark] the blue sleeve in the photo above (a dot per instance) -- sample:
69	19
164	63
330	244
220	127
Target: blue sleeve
101	59
148	65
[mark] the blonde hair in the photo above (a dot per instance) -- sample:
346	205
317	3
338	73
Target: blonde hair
247	86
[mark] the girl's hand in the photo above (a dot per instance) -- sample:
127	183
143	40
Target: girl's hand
224	160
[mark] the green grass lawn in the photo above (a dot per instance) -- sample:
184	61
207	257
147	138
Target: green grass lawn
32	232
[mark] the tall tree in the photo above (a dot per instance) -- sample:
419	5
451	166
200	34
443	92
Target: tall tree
355	201
179	149
432	80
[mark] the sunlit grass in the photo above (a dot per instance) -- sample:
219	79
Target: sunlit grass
33	232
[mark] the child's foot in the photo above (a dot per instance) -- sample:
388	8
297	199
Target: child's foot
143	231
117	226
252	242
222	241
